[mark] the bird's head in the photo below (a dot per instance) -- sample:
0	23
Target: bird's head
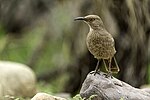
93	21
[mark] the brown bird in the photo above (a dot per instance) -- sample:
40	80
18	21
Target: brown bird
100	43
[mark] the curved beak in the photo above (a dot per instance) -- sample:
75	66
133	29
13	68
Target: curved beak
79	18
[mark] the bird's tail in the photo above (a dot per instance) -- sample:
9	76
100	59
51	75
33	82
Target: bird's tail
114	66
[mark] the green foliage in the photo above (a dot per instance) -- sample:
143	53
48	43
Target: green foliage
2	38
20	50
148	73
78	97
122	98
54	86
92	96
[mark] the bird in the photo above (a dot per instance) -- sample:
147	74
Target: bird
100	43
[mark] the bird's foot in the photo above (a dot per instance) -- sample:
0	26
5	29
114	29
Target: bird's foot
109	75
95	72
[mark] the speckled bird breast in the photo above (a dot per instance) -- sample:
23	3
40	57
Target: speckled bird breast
100	44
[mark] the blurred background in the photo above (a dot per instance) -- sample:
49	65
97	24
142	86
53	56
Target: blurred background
43	35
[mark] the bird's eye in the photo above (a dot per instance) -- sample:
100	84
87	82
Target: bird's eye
92	19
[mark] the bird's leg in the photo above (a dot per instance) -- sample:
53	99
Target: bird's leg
105	65
97	67
109	68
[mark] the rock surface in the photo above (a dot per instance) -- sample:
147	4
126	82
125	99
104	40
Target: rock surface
16	80
45	96
110	89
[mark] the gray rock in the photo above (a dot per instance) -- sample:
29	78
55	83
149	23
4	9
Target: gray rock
110	89
16	80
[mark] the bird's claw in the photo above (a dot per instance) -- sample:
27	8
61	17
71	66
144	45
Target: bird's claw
109	75
95	72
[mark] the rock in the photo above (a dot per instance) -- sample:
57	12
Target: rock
146	88
45	96
16	80
103	88
63	95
